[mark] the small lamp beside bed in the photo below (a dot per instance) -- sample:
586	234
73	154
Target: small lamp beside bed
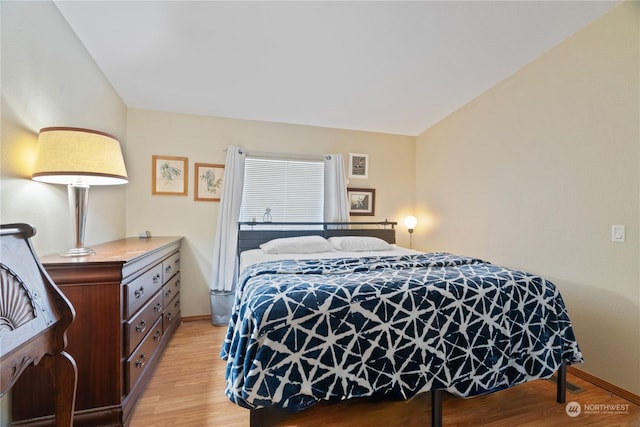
410	222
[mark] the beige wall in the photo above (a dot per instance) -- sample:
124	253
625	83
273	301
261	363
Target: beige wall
44	84
533	174
202	140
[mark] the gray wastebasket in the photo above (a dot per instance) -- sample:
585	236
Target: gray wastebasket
221	304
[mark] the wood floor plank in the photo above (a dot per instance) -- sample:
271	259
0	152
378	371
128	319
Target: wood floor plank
187	389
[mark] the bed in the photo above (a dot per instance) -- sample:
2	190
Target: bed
334	314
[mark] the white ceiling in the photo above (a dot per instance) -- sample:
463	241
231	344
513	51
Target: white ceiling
393	67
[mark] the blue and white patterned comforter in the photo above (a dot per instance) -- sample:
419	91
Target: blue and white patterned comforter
395	326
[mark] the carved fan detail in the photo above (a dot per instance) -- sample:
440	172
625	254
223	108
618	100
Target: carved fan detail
16	305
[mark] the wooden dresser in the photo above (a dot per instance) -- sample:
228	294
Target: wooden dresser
127	302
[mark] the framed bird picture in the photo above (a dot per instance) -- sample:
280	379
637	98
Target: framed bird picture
208	182
169	175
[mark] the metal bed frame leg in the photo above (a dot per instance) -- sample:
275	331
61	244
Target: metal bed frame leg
436	396
561	393
436	408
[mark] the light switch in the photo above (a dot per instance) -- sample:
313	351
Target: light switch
618	233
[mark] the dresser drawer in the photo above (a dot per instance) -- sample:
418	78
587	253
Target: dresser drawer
137	362
171	266
141	289
171	315
137	327
171	289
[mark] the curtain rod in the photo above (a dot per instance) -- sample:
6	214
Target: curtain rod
285	156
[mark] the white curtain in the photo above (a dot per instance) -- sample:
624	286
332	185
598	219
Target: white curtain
336	205
225	259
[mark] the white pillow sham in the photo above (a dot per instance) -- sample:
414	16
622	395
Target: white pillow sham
359	244
297	245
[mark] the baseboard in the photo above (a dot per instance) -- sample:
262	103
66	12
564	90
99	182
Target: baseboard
633	398
196	318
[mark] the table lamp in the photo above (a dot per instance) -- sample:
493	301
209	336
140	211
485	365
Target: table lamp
410	222
79	158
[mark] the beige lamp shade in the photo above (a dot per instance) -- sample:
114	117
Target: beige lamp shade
68	155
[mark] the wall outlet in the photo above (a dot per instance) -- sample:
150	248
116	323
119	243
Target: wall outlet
618	233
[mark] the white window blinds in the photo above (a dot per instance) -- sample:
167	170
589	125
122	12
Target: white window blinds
292	189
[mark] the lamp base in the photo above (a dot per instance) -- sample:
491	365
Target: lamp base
73	252
78	204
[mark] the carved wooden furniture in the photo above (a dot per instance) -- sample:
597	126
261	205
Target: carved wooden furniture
34	317
127	301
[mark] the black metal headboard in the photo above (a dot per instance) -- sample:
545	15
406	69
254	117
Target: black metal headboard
252	234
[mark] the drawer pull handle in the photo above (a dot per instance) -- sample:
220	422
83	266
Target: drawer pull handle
167	293
169	317
177	284
139	292
177	304
140	362
156	278
142	326
157	335
157	307
168	269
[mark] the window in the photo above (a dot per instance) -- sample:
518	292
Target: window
292	189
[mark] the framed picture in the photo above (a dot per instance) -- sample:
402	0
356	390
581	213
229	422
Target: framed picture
358	165
208	182
362	201
169	175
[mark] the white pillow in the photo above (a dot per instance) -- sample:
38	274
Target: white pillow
297	245
359	244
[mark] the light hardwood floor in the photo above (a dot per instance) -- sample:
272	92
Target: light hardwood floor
187	389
